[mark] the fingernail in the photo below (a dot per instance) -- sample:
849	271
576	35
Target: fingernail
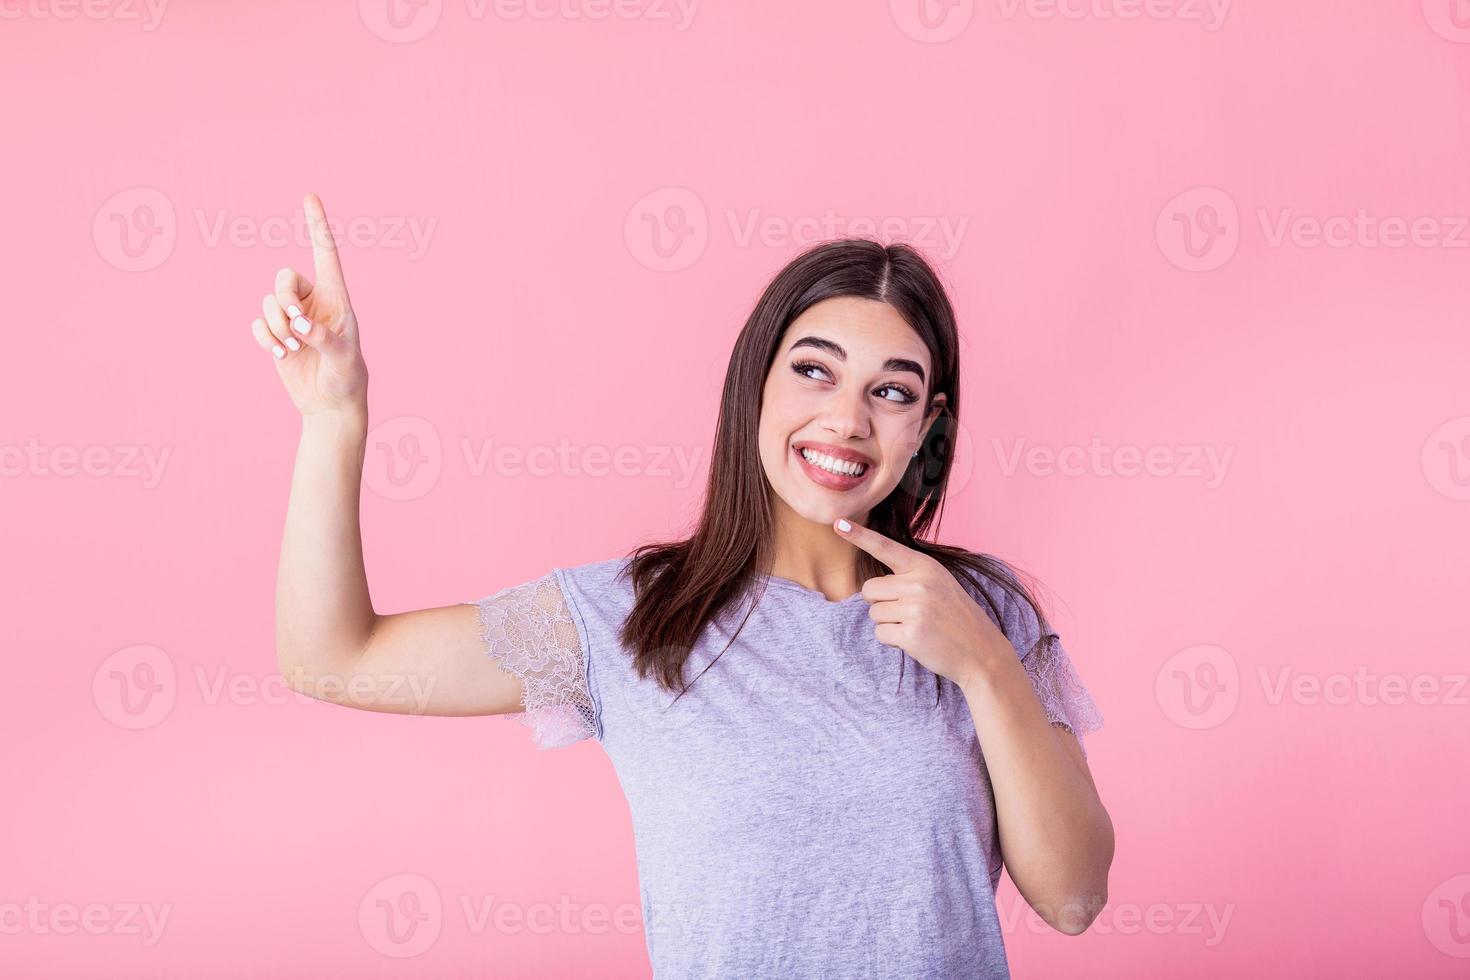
293	343
842	524
279	351
301	325
294	310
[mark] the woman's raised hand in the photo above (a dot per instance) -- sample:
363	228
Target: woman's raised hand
311	329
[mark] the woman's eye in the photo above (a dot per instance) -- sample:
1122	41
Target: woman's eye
803	367
905	396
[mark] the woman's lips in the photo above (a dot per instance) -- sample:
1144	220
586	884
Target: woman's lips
828	479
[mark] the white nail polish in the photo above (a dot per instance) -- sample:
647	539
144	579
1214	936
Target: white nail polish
294	310
301	325
279	351
293	343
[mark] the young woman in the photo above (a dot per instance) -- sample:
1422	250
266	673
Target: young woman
890	719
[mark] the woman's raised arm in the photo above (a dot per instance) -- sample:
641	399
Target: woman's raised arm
330	643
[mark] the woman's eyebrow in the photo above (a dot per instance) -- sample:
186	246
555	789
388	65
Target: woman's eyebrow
835	349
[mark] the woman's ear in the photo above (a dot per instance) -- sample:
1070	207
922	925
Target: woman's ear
938	406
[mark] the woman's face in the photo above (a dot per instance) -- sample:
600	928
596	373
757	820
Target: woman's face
848	386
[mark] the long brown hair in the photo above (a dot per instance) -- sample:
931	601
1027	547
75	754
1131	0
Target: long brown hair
681	585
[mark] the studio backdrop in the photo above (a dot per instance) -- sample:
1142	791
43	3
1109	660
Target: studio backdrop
1209	261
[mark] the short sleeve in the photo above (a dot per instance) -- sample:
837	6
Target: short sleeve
1063	696
1053	676
527	630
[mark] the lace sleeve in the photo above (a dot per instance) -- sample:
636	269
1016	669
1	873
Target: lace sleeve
1061	691
527	629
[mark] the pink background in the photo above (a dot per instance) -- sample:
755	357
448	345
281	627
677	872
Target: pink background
1115	191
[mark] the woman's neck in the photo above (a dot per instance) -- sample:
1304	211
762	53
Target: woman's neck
811	554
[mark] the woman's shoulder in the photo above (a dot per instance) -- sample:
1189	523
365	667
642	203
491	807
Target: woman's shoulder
600	589
1001	589
600	574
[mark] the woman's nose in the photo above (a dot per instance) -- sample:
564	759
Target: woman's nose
847	417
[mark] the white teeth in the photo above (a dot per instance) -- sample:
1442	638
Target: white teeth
839	466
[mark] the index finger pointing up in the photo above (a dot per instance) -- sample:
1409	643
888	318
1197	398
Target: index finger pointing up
323	246
889	552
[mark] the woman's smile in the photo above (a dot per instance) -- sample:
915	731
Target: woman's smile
832	468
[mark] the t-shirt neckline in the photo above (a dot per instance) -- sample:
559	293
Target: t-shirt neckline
811	594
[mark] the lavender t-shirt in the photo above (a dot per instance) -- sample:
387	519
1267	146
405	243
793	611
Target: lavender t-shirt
798	812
